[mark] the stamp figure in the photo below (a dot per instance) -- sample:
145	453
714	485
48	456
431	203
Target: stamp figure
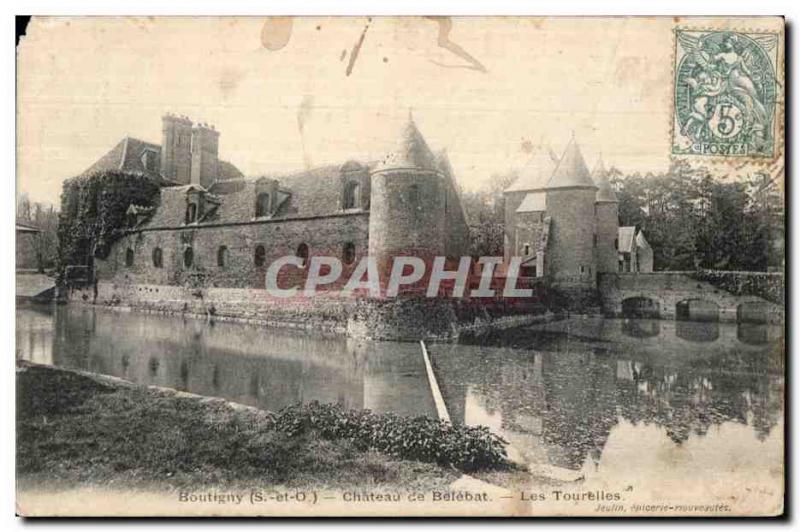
725	92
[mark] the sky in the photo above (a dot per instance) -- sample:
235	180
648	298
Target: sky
289	93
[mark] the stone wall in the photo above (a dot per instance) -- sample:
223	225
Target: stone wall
323	236
607	234
412	318
668	289
571	244
406	216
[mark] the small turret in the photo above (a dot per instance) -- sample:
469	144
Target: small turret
570	200
607	220
406	202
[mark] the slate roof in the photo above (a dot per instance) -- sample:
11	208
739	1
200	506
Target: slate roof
571	171
411	151
625	237
545	171
27	228
536	172
533	202
605	192
127	154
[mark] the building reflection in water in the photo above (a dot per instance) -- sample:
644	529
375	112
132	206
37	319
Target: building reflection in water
556	392
253	365
559	403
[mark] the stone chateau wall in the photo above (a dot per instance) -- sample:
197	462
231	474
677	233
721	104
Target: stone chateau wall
360	317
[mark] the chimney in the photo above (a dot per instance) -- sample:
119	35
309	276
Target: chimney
205	151
176	139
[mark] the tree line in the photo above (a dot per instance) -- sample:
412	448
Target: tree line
691	219
44	217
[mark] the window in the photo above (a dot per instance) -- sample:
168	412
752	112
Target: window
262	204
149	160
616	243
446	194
526	250
129	257
583	270
594	240
158	258
351	195
413	194
222	256
188	257
302	252
191	213
261	256
349	253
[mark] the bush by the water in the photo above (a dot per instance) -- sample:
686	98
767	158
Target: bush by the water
416	438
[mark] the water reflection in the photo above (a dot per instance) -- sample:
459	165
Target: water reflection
559	400
248	364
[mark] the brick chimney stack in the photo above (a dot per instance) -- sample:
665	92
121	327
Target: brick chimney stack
205	154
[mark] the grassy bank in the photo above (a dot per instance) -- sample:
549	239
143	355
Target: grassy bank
75	429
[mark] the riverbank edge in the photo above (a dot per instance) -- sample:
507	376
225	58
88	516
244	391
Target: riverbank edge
402	319
437	477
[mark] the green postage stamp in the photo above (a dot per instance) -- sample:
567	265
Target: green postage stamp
725	93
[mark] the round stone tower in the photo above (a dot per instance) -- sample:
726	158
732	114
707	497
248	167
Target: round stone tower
407	215
607	220
571	195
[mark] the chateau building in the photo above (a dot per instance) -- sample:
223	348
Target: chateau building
213	227
564	222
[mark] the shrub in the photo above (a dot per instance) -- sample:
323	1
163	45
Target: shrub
416	438
768	286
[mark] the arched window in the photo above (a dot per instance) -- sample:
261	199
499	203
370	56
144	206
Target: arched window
413	194
188	257
262	204
302	252
222	256
351	195
261	256
191	213
129	257
348	253
158	258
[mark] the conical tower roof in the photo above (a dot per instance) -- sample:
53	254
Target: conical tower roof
605	192
443	162
571	171
536	172
411	151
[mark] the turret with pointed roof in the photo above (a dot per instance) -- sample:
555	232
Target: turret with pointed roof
605	192
410	151
571	171
408	201
537	171
606	220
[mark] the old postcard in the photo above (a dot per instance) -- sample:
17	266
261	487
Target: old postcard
387	266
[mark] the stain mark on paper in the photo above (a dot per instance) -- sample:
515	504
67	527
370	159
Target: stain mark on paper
276	32
443	40
357	48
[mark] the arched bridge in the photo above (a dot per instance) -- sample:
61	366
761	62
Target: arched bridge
681	296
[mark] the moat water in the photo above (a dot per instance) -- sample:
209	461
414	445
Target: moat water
601	398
